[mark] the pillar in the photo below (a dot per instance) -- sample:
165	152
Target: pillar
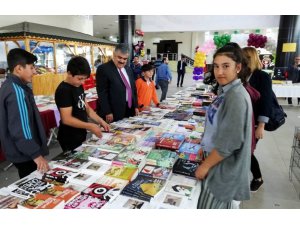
289	32
126	32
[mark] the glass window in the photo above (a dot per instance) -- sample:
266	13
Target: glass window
64	53
44	52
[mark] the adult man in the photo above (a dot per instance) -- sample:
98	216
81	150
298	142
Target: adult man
181	71
163	78
136	67
294	75
22	133
116	87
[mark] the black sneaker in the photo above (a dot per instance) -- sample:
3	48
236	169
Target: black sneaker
255	185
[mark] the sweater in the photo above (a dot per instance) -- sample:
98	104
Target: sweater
146	93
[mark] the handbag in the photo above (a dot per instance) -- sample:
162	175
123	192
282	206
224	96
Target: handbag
277	117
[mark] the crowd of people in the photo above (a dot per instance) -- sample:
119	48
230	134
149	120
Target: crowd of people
233	120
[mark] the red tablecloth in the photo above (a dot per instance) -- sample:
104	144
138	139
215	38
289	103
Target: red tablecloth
48	120
93	104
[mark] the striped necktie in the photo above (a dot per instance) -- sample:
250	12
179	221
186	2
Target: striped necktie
128	88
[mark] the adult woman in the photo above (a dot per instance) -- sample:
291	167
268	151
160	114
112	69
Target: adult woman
261	81
227	136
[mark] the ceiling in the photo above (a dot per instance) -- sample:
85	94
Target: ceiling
106	26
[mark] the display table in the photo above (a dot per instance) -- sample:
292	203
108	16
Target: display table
286	91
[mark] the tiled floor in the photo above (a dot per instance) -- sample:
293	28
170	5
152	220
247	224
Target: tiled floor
273	154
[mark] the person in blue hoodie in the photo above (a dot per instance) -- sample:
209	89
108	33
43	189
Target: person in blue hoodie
22	134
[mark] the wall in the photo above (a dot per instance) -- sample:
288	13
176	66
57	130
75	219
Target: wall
185	38
82	24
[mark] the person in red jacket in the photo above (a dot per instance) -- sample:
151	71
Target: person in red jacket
146	88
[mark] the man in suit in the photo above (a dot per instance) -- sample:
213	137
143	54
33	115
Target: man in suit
294	74
117	96
181	71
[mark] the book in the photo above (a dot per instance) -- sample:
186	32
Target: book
163	158
84	201
41	201
122	172
102	156
60	192
170	141
112	182
58	174
83	179
95	168
68	161
190	151
8	201
185	167
28	187
144	187
156	172
103	192
179	188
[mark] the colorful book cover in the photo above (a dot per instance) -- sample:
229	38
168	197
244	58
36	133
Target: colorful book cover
58	174
190	151
185	167
112	182
102	192
60	192
121	172
102	156
170	141
144	188
85	202
156	172
122	139
163	158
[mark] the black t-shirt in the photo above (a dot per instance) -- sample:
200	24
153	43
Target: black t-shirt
67	95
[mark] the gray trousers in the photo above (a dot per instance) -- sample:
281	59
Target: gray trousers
164	84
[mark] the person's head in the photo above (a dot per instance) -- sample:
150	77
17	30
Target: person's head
147	71
159	57
21	63
165	60
297	60
120	55
182	58
136	60
252	57
78	70
227	63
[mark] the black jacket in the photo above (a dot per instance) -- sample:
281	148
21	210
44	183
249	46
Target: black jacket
261	81
22	133
112	91
183	66
293	74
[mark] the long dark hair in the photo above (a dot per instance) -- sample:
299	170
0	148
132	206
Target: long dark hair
231	50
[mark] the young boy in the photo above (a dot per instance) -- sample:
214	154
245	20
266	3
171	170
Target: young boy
73	107
22	133
146	88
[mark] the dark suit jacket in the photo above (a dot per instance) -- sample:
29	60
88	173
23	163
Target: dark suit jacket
183	66
112	91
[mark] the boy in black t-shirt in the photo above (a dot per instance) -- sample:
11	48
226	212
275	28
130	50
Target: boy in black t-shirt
73	108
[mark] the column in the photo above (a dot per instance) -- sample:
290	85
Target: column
126	31
289	32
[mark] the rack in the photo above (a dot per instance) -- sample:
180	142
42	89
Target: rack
295	157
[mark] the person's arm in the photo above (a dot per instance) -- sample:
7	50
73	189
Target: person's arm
91	113
68	119
213	159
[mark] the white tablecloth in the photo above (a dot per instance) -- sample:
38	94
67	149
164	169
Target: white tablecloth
282	90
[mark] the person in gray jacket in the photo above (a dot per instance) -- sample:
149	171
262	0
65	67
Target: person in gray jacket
227	136
22	133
